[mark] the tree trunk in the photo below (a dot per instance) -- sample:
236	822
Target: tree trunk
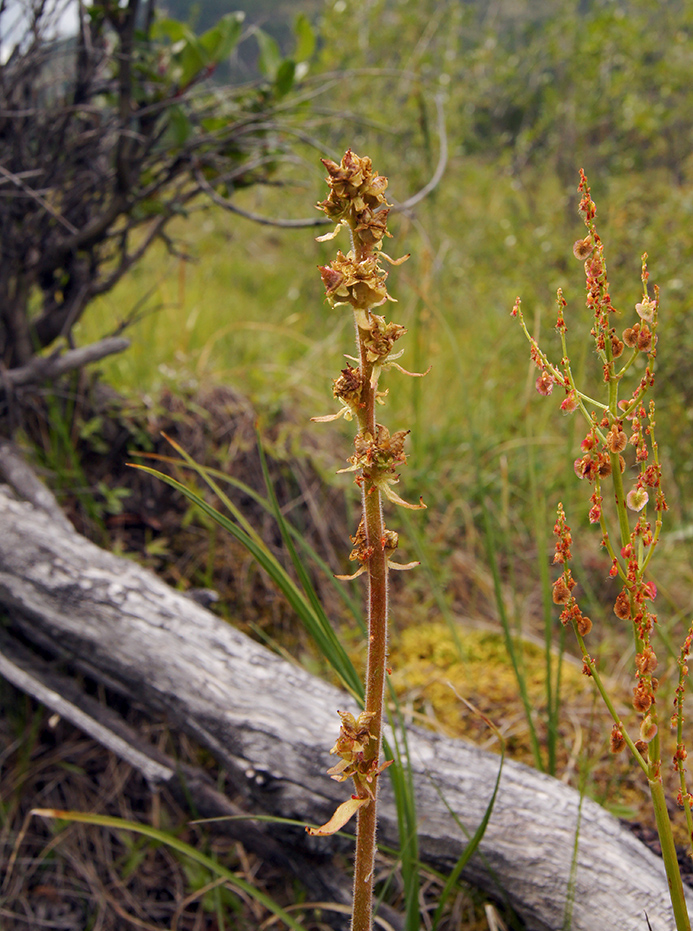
271	725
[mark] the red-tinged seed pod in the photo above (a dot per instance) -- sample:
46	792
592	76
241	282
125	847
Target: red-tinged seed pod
622	606
646	662
604	465
582	248
617	741
583	624
561	591
616	439
648	729
630	336
616	347
644	338
642	698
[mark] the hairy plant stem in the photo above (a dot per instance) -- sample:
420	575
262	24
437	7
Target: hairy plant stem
375	687
362	917
357	201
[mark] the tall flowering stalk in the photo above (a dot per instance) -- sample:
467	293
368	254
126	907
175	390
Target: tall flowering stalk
356	202
620	449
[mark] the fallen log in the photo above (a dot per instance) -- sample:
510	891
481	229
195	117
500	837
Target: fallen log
271	724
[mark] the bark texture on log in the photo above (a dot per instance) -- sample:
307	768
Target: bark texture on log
271	724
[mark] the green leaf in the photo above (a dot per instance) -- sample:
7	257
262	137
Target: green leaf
219	41
305	38
179	125
192	59
270	55
284	80
171	29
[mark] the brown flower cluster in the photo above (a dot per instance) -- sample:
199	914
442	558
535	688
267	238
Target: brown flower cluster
378	455
357	195
355	747
348	281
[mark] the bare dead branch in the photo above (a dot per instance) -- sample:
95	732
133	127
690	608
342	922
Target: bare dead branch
17	180
44	368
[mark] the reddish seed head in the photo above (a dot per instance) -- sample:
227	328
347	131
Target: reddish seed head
604	465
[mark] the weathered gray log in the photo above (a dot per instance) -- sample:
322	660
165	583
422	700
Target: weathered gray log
271	725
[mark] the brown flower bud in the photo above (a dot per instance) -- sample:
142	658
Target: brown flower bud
349	384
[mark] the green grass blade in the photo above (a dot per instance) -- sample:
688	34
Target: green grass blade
301	572
343	590
204	474
423	555
325	637
491	555
476	838
180	847
402	778
552	681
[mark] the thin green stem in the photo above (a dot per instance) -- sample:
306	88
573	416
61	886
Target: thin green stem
620	497
601	688
671	865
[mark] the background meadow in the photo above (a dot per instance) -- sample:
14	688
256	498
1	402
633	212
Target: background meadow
529	94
